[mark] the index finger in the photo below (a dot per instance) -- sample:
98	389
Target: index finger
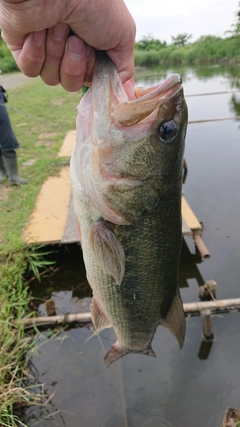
30	58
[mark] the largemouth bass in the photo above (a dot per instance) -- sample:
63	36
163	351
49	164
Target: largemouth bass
126	172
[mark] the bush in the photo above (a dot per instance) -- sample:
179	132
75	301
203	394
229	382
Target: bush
207	49
7	62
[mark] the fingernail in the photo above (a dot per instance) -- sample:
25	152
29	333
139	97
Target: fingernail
75	46
87	80
60	31
39	37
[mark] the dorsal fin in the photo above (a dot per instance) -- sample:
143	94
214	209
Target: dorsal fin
175	320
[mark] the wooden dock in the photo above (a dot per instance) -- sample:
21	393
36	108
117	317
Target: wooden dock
53	219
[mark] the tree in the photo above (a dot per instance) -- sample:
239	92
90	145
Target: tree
150	43
181	39
236	25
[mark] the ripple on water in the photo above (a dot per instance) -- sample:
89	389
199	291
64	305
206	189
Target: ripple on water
154	419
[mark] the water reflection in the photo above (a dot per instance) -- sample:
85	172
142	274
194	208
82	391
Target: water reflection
202	73
188	267
235	105
205	349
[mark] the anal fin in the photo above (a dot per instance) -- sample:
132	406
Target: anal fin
100	320
175	320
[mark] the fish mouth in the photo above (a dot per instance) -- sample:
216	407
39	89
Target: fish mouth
163	90
146	104
134	118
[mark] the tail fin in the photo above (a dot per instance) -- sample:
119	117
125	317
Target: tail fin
116	353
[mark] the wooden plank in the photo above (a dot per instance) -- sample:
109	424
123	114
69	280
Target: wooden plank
70	234
189	217
185	229
47	222
68	144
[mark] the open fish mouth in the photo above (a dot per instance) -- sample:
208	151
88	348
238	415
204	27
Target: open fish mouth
144	106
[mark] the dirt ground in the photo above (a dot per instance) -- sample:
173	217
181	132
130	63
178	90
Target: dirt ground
12	80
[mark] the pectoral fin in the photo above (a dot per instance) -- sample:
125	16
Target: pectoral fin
100	320
108	250
175	320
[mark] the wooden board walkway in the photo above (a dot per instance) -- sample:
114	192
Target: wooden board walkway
53	219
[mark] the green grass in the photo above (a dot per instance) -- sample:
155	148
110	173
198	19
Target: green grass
41	116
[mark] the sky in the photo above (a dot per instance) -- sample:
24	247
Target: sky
165	18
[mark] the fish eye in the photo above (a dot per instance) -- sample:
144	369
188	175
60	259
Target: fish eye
167	131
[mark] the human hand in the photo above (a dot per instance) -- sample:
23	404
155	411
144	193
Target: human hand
56	39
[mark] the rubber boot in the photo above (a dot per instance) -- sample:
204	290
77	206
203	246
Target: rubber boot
10	163
3	172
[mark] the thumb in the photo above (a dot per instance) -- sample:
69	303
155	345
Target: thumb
124	62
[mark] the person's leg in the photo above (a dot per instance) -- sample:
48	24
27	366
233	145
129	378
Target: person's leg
10	163
3	172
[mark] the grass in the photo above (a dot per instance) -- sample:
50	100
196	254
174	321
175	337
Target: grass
41	117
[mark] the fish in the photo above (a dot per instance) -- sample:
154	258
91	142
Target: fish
126	173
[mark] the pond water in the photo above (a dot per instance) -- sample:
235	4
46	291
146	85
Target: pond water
180	388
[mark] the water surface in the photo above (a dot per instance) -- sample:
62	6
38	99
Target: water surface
180	388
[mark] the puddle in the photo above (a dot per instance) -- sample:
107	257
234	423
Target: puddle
65	283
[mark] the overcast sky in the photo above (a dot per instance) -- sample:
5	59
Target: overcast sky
166	18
